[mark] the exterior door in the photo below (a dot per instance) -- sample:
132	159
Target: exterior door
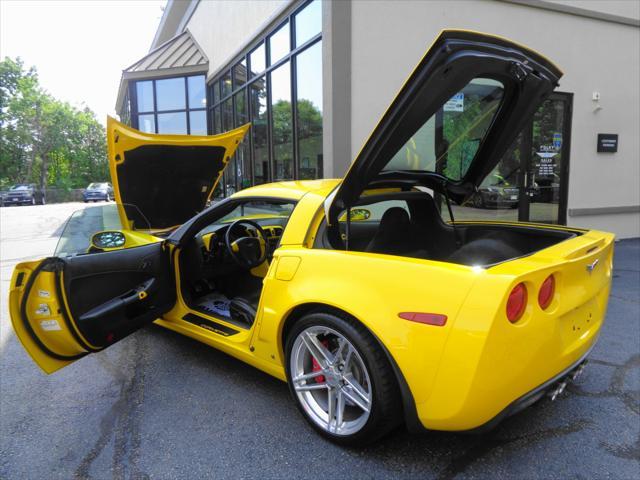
543	182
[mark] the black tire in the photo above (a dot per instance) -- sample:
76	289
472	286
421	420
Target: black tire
386	409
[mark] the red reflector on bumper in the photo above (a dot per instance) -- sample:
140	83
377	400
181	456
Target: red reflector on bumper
426	318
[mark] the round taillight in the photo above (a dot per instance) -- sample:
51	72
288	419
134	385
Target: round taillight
516	303
547	289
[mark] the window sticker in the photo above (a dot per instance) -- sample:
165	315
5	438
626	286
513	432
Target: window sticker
50	325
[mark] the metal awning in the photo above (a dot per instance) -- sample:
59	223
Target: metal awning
179	56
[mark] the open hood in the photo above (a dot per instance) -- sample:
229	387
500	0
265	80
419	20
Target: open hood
454	118
161	181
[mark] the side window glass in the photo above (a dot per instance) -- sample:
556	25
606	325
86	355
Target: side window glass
378	209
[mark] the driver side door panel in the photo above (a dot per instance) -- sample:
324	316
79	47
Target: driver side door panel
63	309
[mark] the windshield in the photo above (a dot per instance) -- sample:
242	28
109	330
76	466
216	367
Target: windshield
75	238
20	187
96	186
448	141
258	210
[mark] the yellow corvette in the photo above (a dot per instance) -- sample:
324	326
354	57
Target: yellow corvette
356	292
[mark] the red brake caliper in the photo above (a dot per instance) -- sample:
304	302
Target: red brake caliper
315	366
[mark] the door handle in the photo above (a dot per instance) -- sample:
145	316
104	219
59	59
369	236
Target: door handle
137	294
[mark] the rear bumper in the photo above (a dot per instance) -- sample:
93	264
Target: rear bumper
528	399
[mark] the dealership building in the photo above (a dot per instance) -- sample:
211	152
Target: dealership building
314	77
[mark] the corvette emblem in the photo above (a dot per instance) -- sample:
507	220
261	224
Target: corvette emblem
591	266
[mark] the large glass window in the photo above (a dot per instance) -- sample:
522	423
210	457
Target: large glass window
309	112
171	105
277	86
448	141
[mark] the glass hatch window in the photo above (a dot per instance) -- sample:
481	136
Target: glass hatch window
448	140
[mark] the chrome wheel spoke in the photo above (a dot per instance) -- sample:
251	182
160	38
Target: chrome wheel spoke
357	388
339	410
310	387
317	350
308	376
356	400
331	408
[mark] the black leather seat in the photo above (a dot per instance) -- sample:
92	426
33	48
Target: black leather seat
396	235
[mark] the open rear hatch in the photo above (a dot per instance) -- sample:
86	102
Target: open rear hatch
494	83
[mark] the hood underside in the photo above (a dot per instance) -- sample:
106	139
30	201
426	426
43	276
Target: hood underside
160	181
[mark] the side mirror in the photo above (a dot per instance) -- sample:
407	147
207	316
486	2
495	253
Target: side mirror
108	239
357	215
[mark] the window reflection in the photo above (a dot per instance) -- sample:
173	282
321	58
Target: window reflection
240	74
308	22
146	123
170	94
258	100
257	59
279	44
198	122
144	92
225	84
282	123
309	112
175	123
242	157
197	97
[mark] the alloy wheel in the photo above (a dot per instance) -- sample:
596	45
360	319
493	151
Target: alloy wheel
331	380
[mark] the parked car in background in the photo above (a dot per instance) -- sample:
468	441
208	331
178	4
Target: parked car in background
23	194
496	192
98	191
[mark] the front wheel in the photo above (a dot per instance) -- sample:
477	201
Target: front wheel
341	379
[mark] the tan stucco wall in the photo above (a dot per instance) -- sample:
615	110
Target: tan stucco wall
388	38
222	27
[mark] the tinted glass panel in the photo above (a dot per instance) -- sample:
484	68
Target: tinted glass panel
448	141
144	92
170	94
279	44
146	123
258	100
242	153
198	122
282	123
240	74
227	115
217	120
216	92
172	123
257	59
197	96
308	22
225	86
309	110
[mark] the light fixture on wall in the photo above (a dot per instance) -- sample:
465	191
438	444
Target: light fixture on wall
595	97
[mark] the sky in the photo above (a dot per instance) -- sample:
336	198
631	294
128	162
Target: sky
79	47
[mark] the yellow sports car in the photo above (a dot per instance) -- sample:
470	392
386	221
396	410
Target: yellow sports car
356	292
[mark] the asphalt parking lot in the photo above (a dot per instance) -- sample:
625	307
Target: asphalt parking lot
159	405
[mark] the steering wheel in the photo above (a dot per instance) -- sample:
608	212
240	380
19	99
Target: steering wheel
248	252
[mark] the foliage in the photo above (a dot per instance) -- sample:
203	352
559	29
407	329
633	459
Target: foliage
43	140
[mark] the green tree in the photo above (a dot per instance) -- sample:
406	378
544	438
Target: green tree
44	140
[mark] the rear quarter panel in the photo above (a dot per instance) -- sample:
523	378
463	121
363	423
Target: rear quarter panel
373	289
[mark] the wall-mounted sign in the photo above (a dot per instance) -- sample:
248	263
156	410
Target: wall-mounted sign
455	103
607	142
546	165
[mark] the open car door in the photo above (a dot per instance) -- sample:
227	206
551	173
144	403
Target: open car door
63	308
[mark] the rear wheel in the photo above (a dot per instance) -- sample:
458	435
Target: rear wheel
341	379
